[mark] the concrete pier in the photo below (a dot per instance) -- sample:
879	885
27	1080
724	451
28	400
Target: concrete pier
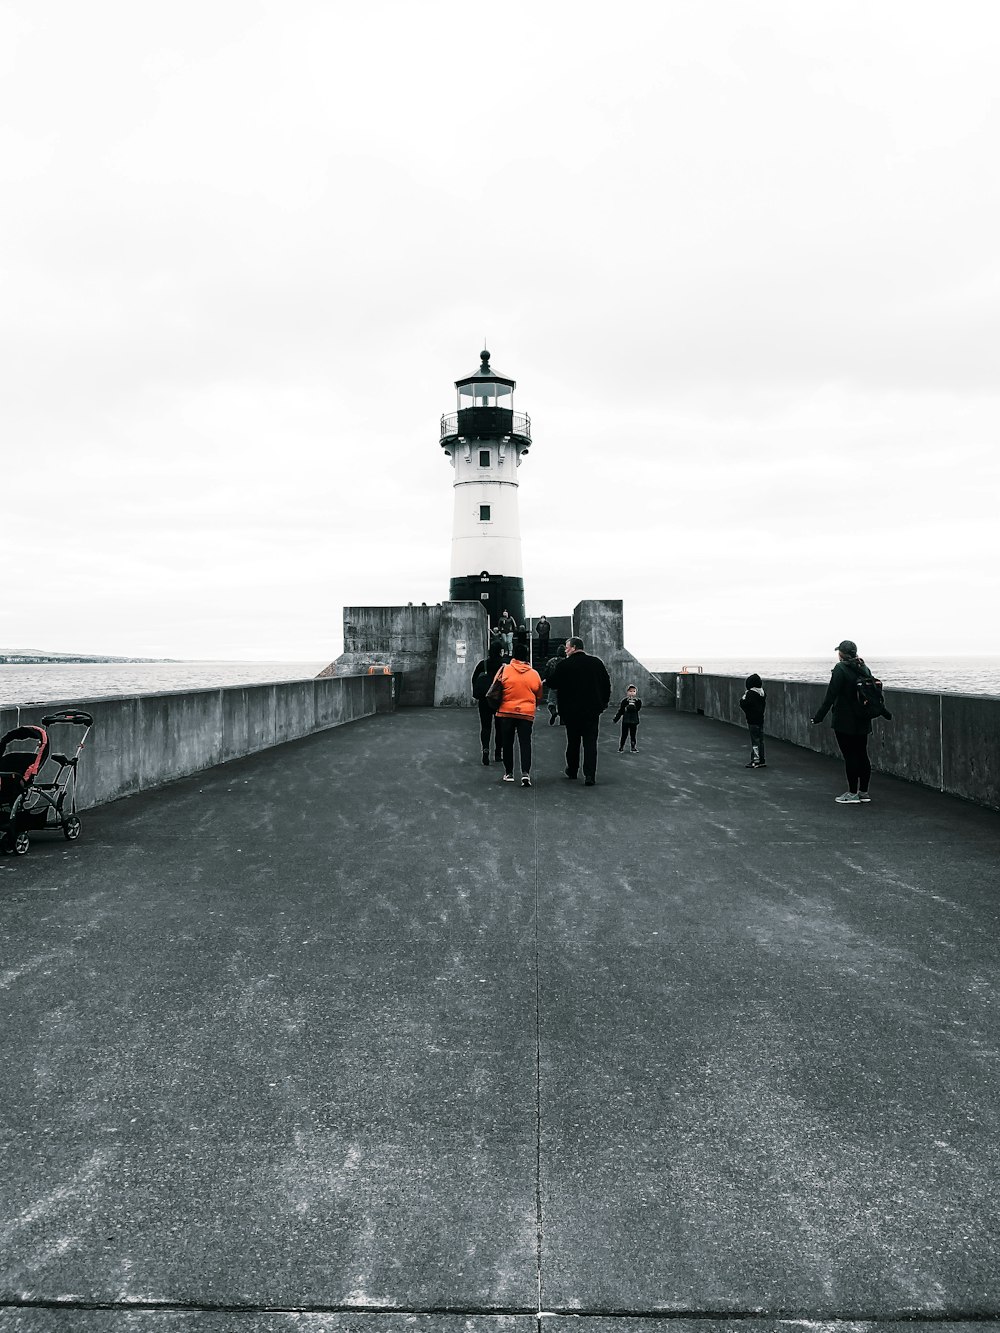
346	1035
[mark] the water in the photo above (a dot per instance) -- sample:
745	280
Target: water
935	675
73	682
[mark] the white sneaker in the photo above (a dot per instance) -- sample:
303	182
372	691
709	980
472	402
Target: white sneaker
848	798
525	781
863	796
509	777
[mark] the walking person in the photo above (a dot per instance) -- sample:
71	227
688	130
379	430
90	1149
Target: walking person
543	629
551	697
584	689
850	726
522	693
482	678
507	627
628	711
754	705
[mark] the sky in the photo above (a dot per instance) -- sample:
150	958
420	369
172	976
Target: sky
740	256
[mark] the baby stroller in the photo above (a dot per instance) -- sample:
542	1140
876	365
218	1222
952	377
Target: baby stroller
27	804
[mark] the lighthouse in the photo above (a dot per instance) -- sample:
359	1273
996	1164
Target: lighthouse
485	440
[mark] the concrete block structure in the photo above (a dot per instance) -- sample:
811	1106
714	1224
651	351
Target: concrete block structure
601	626
462	636
404	638
433	649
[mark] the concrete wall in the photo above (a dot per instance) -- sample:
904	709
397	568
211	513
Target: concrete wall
601	626
462	642
947	741
673	683
143	741
403	637
420	644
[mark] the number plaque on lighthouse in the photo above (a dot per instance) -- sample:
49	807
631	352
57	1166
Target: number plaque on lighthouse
485	441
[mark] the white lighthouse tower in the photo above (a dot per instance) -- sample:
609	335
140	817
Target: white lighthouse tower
485	441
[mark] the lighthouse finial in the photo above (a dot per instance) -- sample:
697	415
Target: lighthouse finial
484	357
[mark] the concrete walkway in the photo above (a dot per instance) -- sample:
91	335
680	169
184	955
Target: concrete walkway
348	1036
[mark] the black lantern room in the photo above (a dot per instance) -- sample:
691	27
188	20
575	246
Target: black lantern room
486	410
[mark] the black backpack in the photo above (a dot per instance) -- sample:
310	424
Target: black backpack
481	683
870	699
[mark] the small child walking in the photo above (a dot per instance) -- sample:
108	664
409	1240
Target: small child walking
628	711
754	705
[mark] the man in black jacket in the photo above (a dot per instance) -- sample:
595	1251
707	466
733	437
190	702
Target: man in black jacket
584	688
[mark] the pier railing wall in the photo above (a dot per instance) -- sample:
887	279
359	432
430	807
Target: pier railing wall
141	741
947	741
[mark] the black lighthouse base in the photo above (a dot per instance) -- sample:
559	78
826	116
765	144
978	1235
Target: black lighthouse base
497	592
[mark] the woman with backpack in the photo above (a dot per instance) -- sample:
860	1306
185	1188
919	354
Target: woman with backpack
482	679
851	723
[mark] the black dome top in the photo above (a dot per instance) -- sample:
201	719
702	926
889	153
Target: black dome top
485	373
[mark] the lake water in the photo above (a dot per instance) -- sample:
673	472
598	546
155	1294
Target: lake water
74	683
935	675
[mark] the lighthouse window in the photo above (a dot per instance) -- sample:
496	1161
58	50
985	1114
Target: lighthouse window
484	458
484	513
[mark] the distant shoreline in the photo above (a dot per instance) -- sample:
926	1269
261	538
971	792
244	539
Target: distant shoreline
68	659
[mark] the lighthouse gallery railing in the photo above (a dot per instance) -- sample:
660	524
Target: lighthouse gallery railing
521	425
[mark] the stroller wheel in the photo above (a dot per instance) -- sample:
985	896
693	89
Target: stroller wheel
71	829
15	844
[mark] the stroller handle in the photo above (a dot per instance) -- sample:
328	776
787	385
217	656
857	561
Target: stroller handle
75	716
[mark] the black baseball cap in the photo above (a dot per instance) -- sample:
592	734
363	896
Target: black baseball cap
847	646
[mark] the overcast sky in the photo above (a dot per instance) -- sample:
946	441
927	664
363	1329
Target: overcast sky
741	258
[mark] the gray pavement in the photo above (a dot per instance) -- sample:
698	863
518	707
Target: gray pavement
348	1036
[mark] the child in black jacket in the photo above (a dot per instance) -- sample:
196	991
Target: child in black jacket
754	705
628	711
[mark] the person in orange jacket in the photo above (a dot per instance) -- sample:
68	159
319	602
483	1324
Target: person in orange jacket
522	693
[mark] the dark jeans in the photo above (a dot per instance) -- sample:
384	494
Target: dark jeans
542	652
487	719
756	731
856	761
507	729
628	730
582	731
